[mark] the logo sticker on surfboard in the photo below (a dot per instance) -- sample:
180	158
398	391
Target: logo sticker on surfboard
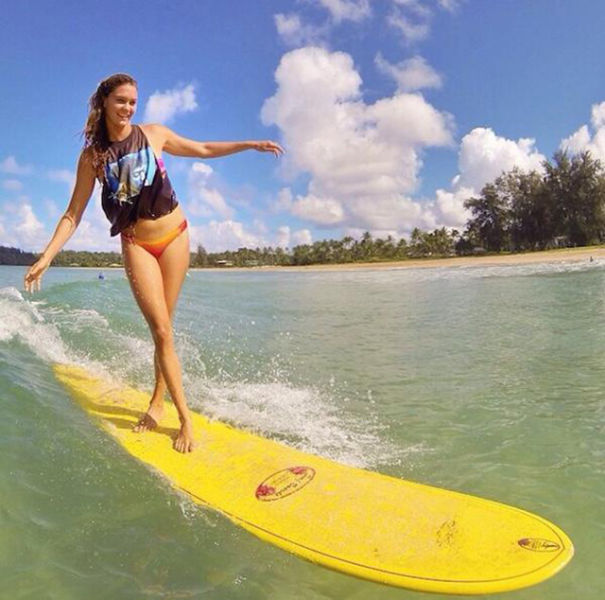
284	483
539	545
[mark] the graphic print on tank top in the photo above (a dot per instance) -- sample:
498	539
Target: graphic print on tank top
130	174
136	185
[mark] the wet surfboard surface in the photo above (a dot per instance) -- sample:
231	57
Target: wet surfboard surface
356	521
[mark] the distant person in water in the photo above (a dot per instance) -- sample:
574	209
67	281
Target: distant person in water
142	208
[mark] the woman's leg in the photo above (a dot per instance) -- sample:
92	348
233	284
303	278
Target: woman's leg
146	278
174	263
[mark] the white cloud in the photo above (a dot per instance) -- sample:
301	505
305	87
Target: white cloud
323	211
393	213
28	230
598	115
410	75
283	237
363	159
413	17
578	141
449	206
483	156
23	229
10	166
417	7
286	238
284	199
217	236
294	32
347	10
7	237
63	175
162	107
414	23
407	119
582	140
300	237
205	200
12	185
412	32
450	5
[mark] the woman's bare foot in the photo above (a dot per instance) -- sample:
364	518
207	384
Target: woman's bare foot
184	441
149	421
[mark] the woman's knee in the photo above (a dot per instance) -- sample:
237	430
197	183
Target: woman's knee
162	333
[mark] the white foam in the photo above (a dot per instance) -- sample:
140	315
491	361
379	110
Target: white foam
22	320
26	321
303	417
310	419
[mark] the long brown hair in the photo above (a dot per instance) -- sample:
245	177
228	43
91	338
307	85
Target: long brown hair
95	131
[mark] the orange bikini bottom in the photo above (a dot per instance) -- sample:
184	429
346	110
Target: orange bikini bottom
157	246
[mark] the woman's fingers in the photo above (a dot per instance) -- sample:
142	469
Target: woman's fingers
27	281
33	278
269	146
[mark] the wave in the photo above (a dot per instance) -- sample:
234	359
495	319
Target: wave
305	417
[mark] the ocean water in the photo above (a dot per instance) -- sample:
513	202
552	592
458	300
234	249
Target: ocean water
487	380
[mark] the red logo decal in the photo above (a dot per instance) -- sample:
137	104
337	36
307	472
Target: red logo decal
284	483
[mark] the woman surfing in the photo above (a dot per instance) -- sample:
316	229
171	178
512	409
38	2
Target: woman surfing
141	206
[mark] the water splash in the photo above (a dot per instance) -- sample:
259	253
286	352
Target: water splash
307	418
23	321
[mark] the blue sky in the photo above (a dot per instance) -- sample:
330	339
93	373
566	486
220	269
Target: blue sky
392	112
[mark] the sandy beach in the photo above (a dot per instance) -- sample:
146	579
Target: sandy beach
547	256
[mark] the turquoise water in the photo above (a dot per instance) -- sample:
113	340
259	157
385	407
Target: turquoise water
487	380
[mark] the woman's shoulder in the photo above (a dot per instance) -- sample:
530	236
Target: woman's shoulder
156	133
87	157
86	164
153	128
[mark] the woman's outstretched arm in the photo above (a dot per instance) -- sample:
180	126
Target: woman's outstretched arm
180	146
68	223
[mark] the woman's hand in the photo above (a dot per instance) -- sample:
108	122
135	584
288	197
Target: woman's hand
33	277
268	146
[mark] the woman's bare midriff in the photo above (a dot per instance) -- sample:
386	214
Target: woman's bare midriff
151	229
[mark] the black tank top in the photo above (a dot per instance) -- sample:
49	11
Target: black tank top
136	184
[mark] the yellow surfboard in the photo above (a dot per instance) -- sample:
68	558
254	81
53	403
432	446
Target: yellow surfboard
359	522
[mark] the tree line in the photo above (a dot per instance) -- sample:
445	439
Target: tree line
440	242
14	256
563	206
519	211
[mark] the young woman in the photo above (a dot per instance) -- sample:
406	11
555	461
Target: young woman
141	206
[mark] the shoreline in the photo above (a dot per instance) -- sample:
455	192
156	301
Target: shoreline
542	256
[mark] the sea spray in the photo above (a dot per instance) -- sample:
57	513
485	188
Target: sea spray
309	418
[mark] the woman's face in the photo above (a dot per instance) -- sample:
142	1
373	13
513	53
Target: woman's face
121	105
